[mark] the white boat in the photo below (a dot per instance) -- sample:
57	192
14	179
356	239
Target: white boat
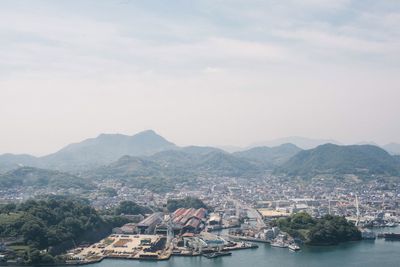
391	224
294	247
279	244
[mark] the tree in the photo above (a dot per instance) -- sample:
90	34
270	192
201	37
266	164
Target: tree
53	221
327	230
131	208
34	233
188	202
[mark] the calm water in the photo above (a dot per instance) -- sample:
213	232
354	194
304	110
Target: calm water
364	253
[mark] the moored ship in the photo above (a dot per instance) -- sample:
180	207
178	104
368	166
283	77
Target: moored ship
217	254
391	236
294	247
279	244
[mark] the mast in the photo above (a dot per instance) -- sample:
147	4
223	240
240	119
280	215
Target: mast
358	211
329	206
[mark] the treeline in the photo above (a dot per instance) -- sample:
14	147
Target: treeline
187	202
47	224
39	178
328	230
131	208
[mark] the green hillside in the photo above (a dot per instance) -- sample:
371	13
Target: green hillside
29	176
364	160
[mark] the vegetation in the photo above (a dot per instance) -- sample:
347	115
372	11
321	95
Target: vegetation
362	160
328	230
29	176
162	171
131	208
188	202
109	192
270	156
49	226
92	153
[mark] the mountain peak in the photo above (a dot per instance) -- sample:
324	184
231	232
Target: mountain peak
147	132
365	160
107	148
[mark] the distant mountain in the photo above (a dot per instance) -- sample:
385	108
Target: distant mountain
302	142
93	152
224	164
200	150
12	161
392	148
231	149
181	160
270	155
128	167
364	160
105	149
182	163
372	143
29	176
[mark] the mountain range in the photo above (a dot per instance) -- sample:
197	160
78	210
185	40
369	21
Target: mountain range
301	142
108	148
92	153
148	158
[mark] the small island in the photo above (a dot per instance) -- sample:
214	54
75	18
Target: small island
328	230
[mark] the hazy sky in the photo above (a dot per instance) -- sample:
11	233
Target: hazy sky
198	72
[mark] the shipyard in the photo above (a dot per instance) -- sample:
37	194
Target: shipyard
159	237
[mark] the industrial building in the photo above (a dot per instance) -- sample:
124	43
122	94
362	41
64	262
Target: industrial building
148	225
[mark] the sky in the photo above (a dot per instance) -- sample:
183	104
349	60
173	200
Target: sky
208	72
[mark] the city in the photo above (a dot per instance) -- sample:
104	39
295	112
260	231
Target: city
241	214
200	133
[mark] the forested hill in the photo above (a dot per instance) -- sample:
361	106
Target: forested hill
92	152
163	170
272	156
364	160
51	225
328	230
35	177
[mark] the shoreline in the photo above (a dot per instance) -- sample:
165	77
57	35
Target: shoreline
81	263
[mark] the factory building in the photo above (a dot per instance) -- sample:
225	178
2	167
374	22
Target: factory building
148	225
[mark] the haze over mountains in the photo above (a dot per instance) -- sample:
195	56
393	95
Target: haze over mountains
392	148
309	143
149	155
302	142
30	176
92	152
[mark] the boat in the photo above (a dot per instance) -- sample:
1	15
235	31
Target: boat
391	236
279	244
391	224
213	255
294	247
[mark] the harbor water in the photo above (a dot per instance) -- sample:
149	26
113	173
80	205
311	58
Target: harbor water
364	254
